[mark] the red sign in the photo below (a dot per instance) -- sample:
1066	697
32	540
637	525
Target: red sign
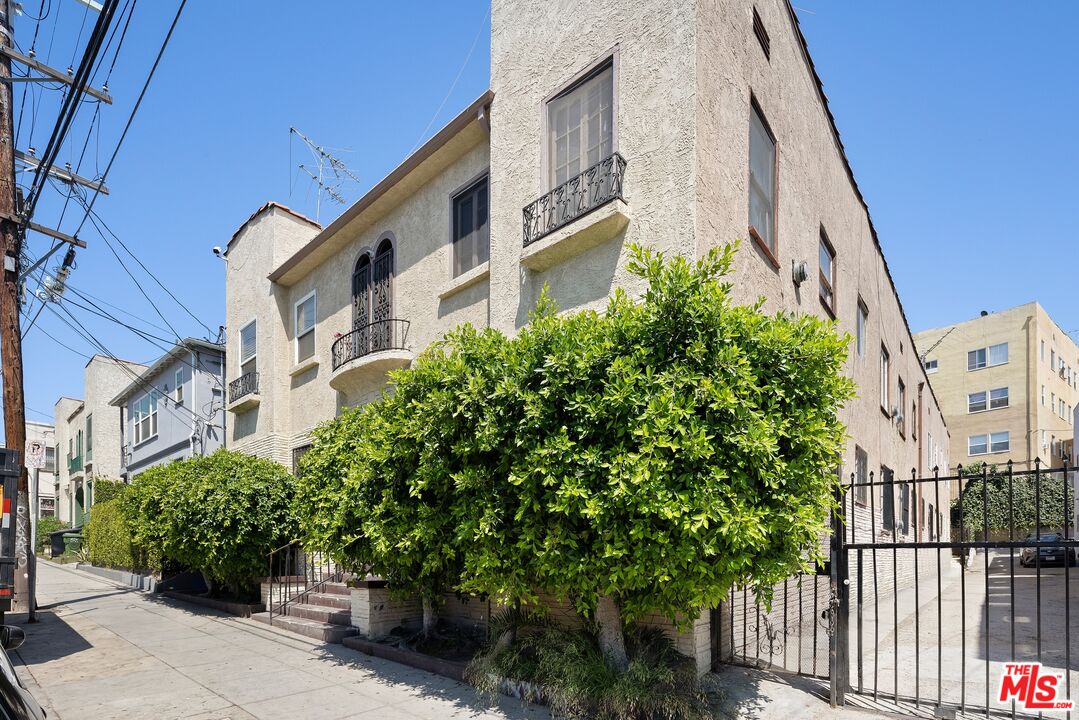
1031	688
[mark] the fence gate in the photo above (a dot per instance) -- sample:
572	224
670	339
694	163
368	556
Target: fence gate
935	603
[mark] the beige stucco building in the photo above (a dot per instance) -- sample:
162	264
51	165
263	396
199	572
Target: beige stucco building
678	125
43	479
1008	384
89	436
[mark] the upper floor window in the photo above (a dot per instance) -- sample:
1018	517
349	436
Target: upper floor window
863	319
90	435
144	418
762	34
998	398
827	273
762	182
580	124
1043	351
248	348
931	366
987	357
901	421
471	234
885	380
305	327
976	402
179	391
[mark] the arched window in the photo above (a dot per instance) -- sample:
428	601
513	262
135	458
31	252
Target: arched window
361	292
382	296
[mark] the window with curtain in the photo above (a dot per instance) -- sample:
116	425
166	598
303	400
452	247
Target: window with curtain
471	236
247	348
305	328
580	125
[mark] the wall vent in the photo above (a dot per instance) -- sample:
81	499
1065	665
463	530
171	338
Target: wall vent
762	34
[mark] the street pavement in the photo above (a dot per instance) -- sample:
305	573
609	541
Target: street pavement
104	651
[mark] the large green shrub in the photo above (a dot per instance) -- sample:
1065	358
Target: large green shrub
642	459
1013	506
378	487
105	489
109	541
221	514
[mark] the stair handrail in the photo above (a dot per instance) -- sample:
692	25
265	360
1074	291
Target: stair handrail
295	573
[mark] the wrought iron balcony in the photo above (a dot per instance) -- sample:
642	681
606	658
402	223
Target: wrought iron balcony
578	196
378	336
246	384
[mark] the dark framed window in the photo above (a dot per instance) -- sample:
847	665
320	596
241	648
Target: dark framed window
827	274
471	232
887	499
297	455
580	124
762	184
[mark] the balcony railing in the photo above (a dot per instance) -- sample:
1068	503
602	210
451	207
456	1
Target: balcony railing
576	197
376	337
246	384
74	463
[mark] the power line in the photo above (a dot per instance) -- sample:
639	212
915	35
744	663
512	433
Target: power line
134	110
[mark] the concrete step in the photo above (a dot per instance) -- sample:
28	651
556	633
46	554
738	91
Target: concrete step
337	588
326	632
329	599
320	613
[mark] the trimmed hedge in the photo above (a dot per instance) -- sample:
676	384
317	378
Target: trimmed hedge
109	541
106	489
45	525
221	514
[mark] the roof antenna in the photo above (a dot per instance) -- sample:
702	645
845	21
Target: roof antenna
326	162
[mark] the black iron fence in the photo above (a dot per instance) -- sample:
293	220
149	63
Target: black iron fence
578	196
378	336
246	384
295	573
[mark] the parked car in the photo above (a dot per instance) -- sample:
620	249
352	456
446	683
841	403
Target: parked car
16	702
1046	554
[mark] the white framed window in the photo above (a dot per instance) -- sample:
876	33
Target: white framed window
1000	442
976	402
144	418
1061	407
977	444
976	359
998	398
1043	396
860	325
179	391
580	125
248	348
861	476
762	181
998	354
1042	358
931	366
305	327
885	380
1053	359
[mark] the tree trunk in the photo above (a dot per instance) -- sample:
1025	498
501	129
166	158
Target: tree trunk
209	584
430	617
611	640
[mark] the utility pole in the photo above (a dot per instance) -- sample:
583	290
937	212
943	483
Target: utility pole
10	333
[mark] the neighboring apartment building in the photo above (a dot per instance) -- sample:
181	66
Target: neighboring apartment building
175	409
88	435
44	478
1008	384
677	125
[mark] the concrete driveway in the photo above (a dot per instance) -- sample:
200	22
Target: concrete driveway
102	651
971	633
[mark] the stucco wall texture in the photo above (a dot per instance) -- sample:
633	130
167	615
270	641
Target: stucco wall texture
685	75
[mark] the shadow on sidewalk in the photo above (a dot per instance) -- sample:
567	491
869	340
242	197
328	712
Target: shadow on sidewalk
50	638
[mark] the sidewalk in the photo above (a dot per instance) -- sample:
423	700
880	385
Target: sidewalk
103	651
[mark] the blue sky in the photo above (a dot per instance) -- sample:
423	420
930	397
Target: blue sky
958	119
